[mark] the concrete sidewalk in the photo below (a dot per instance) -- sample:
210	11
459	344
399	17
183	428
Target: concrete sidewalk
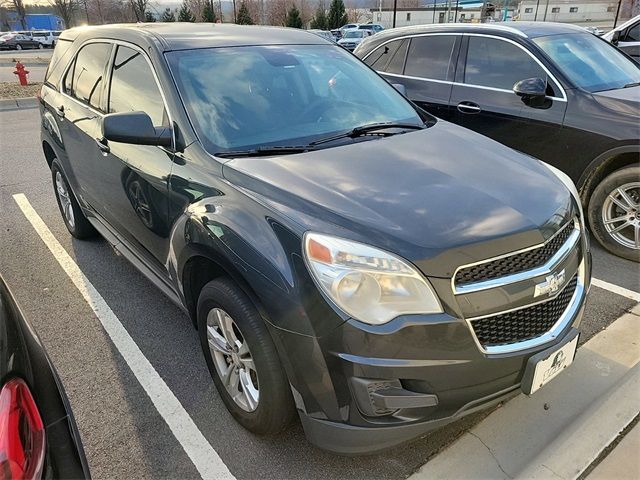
559	431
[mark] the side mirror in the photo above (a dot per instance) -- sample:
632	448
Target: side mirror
135	128
532	91
400	87
615	38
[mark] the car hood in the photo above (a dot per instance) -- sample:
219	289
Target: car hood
423	194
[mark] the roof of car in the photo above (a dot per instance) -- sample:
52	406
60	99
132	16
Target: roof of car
179	36
520	29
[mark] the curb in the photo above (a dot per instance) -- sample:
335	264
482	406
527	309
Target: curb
558	432
25	63
8	104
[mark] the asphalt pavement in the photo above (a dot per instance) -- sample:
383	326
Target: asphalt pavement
124	435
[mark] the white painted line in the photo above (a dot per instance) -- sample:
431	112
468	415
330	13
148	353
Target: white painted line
625	292
195	445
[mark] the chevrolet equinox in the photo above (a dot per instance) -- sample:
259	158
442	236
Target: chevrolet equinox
344	255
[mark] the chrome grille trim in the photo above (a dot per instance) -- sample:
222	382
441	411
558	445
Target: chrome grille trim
545	269
566	317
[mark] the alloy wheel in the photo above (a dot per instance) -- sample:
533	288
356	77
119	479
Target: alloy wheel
232	359
65	199
621	215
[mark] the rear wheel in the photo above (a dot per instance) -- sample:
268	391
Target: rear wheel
242	359
40	46
72	215
614	213
18	47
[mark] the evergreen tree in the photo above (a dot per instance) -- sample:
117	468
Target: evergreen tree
185	14
208	13
168	16
337	15
243	17
293	18
148	17
320	20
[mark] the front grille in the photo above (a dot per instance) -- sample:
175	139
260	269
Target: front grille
516	263
523	324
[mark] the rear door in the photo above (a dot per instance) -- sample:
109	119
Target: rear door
424	64
485	102
79	110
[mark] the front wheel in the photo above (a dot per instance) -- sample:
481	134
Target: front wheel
242	359
40	46
614	213
18	47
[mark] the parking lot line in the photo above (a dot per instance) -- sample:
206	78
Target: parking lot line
195	445
625	292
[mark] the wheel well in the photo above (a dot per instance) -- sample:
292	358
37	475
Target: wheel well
603	169
49	154
198	271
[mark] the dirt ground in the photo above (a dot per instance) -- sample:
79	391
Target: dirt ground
15	90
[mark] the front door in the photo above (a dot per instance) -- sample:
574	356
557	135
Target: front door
485	102
629	41
135	177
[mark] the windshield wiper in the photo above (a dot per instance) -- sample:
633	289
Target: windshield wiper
265	151
367	130
633	84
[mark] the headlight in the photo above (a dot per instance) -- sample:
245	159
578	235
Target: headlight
368	284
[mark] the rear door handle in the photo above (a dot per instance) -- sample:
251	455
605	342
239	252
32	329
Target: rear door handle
104	148
469	107
60	111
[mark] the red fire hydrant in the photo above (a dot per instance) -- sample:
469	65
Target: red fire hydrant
22	74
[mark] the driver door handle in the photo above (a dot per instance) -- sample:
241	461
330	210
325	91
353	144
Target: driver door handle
469	107
104	148
60	111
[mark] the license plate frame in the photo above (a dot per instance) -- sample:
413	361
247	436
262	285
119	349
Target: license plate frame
548	364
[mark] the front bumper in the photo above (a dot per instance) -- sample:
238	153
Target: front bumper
361	388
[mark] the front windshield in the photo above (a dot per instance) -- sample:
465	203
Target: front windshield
240	98
354	34
589	62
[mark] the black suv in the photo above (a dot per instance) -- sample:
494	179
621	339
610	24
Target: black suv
550	90
342	253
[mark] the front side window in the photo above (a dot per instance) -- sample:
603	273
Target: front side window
244	97
633	34
84	79
589	62
498	64
134	88
429	56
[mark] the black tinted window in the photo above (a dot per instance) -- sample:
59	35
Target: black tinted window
429	56
88	72
633	34
389	58
499	64
133	86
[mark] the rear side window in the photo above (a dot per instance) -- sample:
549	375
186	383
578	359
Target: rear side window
389	58
134	88
499	64
85	78
429	56
58	62
633	34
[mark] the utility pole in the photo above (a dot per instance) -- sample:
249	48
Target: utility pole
615	22
546	8
457	4
395	9
535	18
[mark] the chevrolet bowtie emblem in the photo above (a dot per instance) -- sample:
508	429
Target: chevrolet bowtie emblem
551	284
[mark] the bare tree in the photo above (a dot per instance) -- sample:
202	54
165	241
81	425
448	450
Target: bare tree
66	9
277	12
139	8
18	7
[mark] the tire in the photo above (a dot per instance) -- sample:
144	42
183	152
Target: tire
40	46
72	215
603	211
275	408
18	47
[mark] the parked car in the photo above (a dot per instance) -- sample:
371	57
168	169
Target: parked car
352	38
550	90
18	41
326	34
373	27
38	434
626	37
46	38
343	254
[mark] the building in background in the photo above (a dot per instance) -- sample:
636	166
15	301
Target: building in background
35	21
567	11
